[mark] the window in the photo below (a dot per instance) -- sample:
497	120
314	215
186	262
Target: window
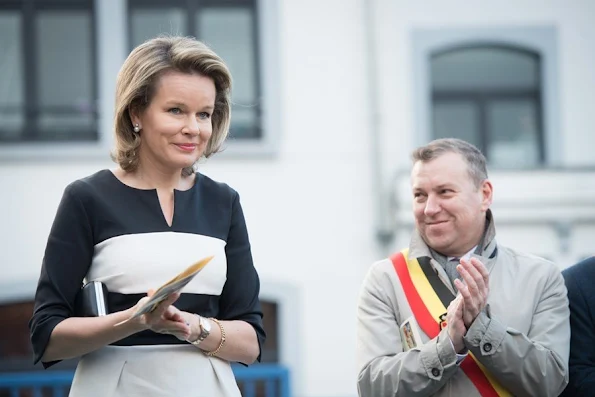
496	87
230	28
490	95
270	349
15	347
47	85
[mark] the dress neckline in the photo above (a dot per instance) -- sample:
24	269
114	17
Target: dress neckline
125	185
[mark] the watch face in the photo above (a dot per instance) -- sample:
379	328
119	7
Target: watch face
206	324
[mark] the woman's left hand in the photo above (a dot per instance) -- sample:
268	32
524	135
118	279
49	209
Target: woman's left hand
191	322
167	319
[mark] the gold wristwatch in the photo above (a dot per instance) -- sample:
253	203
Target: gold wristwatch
205	329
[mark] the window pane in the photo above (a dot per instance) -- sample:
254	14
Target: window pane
244	122
270	349
149	23
11	77
230	32
513	136
65	73
456	119
485	68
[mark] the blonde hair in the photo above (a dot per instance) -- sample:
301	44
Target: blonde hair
476	161
136	85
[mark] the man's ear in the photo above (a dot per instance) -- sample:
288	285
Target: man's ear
487	194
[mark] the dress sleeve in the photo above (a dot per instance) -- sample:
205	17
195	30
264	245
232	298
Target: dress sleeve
65	263
239	298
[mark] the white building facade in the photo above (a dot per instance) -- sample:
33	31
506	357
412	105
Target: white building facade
332	96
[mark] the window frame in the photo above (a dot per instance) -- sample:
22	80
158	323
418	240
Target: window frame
192	8
111	43
481	97
538	39
28	9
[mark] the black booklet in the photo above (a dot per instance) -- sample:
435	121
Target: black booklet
91	300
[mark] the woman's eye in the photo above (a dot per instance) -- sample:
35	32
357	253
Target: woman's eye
175	111
203	115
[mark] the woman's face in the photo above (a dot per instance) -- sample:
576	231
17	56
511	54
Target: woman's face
176	126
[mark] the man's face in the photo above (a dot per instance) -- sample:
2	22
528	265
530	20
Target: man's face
449	209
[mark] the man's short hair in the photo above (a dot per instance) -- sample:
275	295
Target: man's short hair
475	159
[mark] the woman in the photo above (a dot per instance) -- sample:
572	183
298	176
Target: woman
135	227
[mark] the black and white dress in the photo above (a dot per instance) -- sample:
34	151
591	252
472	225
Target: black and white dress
107	231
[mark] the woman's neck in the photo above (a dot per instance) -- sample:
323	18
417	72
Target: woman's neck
154	176
156	179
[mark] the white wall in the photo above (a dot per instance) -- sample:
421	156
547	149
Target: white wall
576	67
310	209
397	19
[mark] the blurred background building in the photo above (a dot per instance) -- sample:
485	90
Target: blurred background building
330	98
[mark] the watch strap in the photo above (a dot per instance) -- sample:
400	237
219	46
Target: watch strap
203	332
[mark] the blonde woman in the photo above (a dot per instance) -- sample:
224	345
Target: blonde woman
134	227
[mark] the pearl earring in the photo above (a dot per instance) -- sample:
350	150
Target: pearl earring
136	128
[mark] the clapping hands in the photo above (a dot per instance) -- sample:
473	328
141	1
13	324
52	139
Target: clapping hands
474	290
470	301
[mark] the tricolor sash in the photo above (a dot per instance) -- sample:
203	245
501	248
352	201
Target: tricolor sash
428	298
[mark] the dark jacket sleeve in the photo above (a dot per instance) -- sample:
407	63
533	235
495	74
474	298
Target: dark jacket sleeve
65	263
582	338
239	298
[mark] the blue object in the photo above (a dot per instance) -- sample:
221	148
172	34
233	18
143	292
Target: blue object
274	377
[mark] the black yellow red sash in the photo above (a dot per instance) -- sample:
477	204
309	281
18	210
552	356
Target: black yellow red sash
428	309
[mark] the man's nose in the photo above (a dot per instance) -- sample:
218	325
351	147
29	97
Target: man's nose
432	206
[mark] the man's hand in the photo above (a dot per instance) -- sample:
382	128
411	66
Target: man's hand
474	290
456	326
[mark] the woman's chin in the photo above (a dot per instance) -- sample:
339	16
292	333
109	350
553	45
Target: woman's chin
178	165
184	161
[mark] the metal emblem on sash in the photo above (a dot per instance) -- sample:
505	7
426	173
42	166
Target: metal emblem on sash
442	321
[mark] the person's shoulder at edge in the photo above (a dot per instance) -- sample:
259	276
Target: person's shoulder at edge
584	268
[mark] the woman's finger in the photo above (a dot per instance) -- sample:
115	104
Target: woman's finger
164	305
173	314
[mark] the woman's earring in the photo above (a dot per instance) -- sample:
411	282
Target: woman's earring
136	128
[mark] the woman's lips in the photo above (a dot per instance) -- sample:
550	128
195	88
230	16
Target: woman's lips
187	147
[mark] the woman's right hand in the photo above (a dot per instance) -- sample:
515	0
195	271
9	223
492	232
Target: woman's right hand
165	319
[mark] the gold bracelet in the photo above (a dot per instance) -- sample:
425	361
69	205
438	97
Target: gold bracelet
214	352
